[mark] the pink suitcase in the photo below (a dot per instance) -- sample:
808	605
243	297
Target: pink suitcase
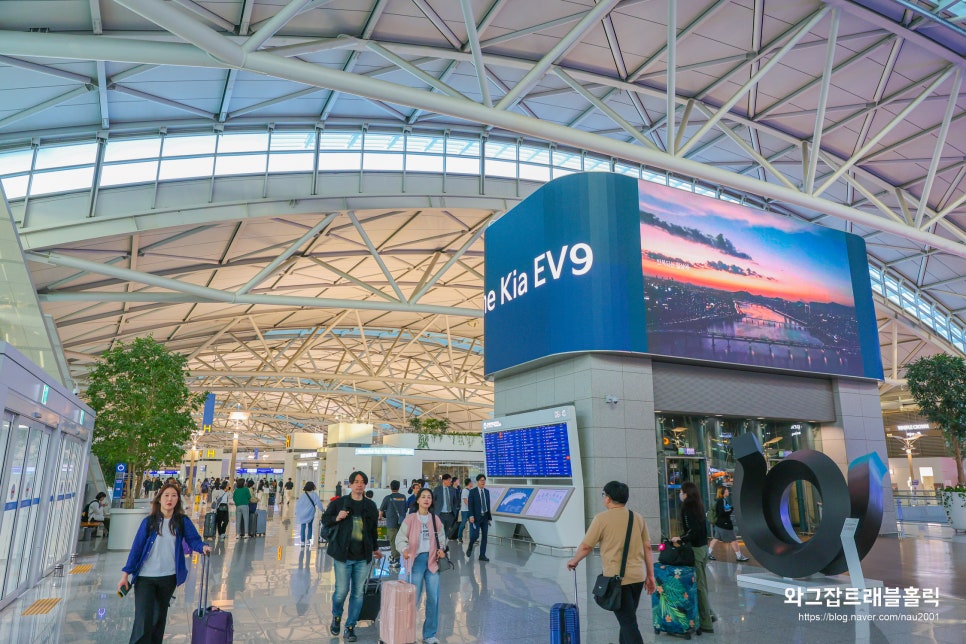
397	613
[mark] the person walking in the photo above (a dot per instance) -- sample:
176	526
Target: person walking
696	536
724	528
609	529
464	508
241	496
422	547
480	517
352	546
219	503
305	508
156	564
446	500
338	488
287	489
393	511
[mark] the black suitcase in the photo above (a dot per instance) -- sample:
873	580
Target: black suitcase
372	594
565	621
211	523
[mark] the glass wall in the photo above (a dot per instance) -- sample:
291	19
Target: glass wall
698	448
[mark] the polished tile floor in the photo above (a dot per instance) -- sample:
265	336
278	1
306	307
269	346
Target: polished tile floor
279	592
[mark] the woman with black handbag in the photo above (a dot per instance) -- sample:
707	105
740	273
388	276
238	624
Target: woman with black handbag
625	554
696	536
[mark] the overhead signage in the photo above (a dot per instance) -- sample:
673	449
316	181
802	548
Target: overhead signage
385	451
208	415
913	428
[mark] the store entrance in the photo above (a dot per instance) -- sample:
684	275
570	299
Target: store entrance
677	470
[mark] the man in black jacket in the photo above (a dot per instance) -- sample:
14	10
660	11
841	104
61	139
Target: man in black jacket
352	546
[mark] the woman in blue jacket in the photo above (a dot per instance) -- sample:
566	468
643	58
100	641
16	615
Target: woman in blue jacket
156	565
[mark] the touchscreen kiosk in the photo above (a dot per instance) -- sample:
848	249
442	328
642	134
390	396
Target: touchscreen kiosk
548	503
496	491
515	500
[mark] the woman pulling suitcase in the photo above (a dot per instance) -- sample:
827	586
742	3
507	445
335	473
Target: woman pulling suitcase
156	565
418	541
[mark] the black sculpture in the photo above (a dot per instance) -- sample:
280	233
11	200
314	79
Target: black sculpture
761	506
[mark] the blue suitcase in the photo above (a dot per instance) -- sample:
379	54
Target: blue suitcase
675	604
565	621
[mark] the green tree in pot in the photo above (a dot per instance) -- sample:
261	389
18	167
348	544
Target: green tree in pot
938	385
426	427
143	407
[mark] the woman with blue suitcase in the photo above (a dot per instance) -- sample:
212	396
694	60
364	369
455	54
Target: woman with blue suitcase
696	536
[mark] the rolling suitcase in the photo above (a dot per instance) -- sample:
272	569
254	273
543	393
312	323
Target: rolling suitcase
397	613
675	604
258	523
271	498
372	593
210	625
210	525
565	621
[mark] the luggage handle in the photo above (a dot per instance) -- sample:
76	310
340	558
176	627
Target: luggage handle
372	567
205	583
576	603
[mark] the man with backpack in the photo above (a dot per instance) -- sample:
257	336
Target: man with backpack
393	510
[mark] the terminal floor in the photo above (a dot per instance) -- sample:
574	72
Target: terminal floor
279	592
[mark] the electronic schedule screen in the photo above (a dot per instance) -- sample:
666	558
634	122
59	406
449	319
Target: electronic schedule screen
541	451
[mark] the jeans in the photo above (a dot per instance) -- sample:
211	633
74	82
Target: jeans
464	521
701	578
307	531
420	573
241	520
354	572
627	614
151	598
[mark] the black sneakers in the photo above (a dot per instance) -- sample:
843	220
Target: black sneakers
469	551
350	634
336	626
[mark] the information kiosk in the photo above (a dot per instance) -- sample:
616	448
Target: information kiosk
532	465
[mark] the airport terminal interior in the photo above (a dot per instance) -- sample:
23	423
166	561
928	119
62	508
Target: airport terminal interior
399	235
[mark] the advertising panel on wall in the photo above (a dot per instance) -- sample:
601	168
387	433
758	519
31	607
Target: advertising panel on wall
601	262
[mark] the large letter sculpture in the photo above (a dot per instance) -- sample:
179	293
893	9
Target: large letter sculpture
761	505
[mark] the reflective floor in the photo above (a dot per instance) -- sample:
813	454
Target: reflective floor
279	592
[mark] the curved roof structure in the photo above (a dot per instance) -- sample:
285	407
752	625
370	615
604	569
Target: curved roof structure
295	193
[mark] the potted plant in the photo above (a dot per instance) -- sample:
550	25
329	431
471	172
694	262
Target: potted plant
938	385
427	427
954	502
144	418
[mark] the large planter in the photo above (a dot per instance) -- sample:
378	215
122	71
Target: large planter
955	504
124	525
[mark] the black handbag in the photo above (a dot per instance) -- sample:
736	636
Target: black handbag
607	590
671	555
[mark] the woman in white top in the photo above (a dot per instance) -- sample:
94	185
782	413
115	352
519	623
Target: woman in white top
219	503
419	542
305	508
156	565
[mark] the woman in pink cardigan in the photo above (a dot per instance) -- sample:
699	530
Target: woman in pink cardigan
418	541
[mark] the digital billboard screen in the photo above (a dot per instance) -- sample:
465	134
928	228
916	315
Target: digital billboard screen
728	283
547	503
540	451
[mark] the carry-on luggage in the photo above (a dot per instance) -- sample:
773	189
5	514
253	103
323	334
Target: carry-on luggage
372	593
257	523
382	534
210	625
565	621
675	604
211	524
397	613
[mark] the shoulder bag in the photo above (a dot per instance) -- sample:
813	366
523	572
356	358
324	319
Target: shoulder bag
671	555
444	563
607	590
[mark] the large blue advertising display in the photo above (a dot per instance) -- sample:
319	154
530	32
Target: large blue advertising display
602	262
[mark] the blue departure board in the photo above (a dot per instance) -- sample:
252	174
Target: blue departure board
541	451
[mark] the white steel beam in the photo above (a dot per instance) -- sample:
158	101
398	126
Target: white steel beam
672	90
46	105
271	26
560	49
278	261
473	40
816	144
940	144
604	108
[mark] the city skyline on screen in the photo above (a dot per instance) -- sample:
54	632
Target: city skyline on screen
727	283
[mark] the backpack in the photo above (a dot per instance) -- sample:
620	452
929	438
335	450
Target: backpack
712	514
205	487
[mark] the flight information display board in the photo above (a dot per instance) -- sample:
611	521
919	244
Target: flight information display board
540	451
